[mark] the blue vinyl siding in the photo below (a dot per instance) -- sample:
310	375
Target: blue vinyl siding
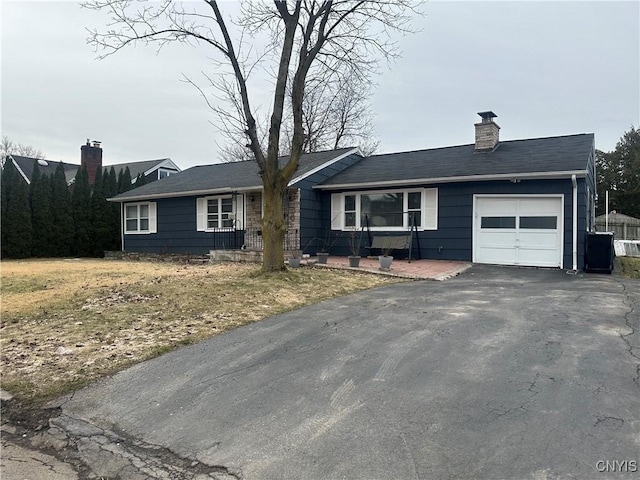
313	215
177	232
584	223
453	240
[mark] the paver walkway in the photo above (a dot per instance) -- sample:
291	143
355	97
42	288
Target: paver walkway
418	269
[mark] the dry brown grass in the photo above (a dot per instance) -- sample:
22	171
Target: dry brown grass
629	266
67	322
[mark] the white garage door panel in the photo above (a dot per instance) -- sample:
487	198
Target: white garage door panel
541	240
538	248
539	206
518	231
496	246
498	256
497	240
500	207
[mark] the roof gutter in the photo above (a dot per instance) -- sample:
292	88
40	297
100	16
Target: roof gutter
191	193
466	178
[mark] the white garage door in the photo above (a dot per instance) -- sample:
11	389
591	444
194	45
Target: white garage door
518	231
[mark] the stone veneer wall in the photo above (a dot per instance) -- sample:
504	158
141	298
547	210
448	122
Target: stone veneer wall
292	242
253	212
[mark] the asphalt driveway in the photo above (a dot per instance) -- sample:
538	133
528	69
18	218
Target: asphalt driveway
499	373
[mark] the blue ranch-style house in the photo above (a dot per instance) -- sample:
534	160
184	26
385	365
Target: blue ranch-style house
523	202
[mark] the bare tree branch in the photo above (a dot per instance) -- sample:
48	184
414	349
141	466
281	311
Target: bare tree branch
9	147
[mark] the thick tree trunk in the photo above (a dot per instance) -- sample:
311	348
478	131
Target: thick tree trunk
274	229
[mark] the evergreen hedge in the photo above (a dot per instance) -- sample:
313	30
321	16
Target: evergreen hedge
50	219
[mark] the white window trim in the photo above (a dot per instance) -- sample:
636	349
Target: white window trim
237	212
338	213
167	171
153	227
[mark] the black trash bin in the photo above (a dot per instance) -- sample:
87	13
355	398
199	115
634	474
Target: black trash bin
599	252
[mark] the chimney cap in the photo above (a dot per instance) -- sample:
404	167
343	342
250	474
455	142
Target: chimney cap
487	116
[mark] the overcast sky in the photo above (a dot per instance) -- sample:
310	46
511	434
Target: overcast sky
545	68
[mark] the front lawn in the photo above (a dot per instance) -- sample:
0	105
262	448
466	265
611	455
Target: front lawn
68	322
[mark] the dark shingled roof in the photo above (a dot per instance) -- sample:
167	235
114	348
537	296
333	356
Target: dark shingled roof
26	165
552	154
70	169
220	176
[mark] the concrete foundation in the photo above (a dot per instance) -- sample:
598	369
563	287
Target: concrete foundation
250	256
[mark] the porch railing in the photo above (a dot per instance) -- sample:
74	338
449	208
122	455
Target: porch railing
249	239
226	239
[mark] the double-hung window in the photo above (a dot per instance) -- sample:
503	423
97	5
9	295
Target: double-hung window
140	218
385	209
220	213
350	211
414	208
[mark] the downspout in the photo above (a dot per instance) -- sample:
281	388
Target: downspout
122	226
575	223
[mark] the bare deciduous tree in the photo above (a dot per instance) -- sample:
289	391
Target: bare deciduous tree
336	113
9	147
307	39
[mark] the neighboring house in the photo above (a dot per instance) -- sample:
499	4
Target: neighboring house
519	202
151	169
91	157
24	166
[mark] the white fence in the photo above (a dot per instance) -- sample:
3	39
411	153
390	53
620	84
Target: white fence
627	248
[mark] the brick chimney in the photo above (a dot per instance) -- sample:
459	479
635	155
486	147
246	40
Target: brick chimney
487	133
91	158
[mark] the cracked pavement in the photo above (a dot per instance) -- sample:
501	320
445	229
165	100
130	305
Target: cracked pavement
498	373
26	464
